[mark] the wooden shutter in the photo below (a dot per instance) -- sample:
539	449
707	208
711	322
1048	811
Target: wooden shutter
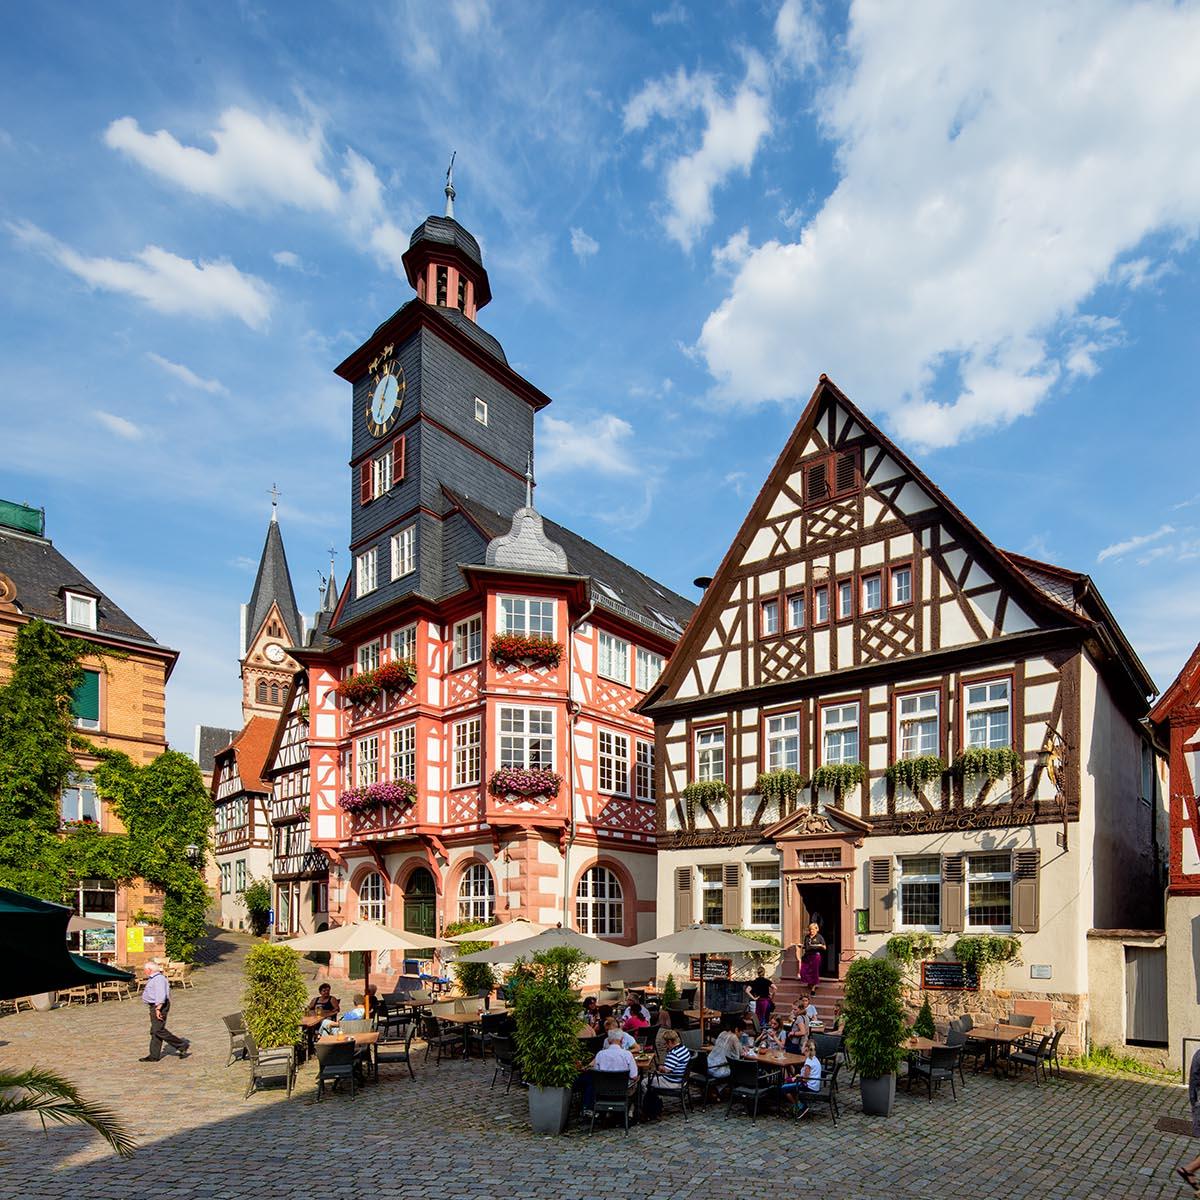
816	481
879	895
364	483
85	700
731	897
1026	867
953	893
683	897
845	473
397	460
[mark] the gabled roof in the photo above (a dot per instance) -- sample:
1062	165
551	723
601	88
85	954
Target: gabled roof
1184	688
273	585
210	741
250	749
635	596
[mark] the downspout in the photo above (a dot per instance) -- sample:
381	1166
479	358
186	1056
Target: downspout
573	716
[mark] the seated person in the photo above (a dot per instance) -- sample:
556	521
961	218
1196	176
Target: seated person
726	1047
660	1035
633	1006
590	1015
635	1021
615	1057
628	1041
673	1072
774	1035
808	1080
324	1002
810	1010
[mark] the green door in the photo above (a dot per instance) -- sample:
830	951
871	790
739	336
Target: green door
420	908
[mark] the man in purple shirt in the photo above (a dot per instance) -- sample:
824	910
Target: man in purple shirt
157	995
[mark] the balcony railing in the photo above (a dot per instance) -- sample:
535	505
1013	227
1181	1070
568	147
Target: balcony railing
298	866
381	819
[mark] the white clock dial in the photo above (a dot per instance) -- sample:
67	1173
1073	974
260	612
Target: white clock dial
274	653
384	399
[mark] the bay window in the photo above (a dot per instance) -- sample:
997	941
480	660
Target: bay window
527	738
527	616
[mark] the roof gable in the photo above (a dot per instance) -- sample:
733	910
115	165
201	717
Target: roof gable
1184	691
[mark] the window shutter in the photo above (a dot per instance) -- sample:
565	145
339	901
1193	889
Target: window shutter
845	475
879	895
953	893
731	900
397	460
1026	867
683	897
85	700
816	482
364	483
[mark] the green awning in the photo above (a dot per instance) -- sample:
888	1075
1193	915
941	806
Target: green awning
33	949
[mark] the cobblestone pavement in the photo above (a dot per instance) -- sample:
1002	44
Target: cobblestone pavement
446	1135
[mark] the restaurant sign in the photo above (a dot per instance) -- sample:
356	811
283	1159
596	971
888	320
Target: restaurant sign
714	968
682	839
965	818
938	976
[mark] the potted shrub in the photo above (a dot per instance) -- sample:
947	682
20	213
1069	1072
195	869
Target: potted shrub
923	1026
873	1017
670	992
275	995
256	900
547	1016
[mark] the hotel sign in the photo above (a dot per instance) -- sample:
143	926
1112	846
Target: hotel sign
959	819
683	839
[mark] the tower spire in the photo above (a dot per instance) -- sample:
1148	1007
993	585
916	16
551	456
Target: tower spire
450	192
529	480
275	493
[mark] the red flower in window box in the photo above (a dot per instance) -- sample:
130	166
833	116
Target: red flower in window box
513	781
366	685
508	648
376	795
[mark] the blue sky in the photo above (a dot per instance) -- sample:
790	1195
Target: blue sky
981	224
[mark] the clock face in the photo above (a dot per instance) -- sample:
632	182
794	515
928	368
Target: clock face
386	397
274	653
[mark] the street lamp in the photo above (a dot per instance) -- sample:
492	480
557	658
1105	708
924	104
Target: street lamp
192	853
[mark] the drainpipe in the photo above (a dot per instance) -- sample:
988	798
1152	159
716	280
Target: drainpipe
573	716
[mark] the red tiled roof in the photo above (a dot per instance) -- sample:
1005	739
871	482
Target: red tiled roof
251	747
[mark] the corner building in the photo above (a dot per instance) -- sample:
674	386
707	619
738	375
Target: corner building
858	621
449	553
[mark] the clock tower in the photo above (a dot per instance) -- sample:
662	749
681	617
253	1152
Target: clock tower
271	624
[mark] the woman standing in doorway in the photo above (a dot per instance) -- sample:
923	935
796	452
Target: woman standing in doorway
810	959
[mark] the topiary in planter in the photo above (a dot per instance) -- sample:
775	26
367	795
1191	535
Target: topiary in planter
275	995
670	992
875	1025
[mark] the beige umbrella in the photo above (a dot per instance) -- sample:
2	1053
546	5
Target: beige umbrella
77	924
506	931
550	939
366	938
699	940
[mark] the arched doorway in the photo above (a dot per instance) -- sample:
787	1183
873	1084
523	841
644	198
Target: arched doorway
420	907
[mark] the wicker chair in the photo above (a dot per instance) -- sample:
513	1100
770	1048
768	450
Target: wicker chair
388	1051
336	1061
446	1039
278	1062
935	1069
748	1085
611	1093
235	1025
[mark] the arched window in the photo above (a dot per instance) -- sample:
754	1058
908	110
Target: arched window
476	894
261	691
274	693
599	904
372	898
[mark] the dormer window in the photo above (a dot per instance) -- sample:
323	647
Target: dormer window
81	610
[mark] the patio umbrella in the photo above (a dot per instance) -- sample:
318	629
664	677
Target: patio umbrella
700	940
550	939
78	924
33	949
506	931
364	937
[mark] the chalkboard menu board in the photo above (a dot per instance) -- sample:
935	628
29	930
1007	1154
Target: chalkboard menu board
714	968
939	976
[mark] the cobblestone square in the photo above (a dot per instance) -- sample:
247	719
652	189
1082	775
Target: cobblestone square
448	1134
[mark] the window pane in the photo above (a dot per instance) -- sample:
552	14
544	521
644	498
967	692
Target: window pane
770	617
872	593
796	612
821	604
990	903
845	599
85	701
920	903
649	668
901	585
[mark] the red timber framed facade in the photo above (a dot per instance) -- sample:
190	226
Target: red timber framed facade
860	622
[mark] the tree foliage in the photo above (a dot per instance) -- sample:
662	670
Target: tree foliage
275	994
923	1026
874	1017
475	979
547	1016
50	1097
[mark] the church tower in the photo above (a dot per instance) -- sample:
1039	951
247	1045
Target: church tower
271	623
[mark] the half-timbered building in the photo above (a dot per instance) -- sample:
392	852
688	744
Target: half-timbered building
879	720
473	746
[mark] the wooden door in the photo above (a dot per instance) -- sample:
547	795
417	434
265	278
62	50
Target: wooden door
1146	995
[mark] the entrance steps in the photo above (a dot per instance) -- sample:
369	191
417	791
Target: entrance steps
827	999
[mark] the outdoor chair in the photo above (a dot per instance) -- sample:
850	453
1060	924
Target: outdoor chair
357	1025
749	1086
688	995
390	1051
676	1005
958	1040
1019	1058
611	1093
698	1076
446	1040
594	1045
507	1064
278	1062
75	995
680	1020
113	989
973	1048
491	1025
691	1039
645	1037
392	1024
335	1062
826	1093
658	1085
1020	1020
1052	1053
935	1069
827	1045
235	1024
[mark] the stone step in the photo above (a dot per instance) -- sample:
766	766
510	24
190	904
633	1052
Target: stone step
827	998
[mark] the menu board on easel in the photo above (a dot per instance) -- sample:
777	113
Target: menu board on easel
938	976
714	968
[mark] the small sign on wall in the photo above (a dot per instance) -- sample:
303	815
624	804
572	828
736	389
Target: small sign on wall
1040	971
135	939
861	921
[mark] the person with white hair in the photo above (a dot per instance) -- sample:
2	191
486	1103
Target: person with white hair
612	1056
157	995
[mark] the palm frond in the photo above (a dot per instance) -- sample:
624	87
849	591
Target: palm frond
50	1097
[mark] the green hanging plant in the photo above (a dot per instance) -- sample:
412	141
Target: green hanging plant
908	949
705	794
780	786
923	1026
914	773
992	764
987	953
841	777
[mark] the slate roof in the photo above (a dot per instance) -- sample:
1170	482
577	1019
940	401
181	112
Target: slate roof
40	573
635	596
210	741
273	583
448	232
463	325
1057	583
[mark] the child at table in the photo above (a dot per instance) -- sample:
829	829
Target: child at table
808	1080
774	1035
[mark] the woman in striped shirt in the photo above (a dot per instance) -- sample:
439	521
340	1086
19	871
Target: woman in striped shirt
675	1066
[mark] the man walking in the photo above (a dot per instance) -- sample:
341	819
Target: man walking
157	995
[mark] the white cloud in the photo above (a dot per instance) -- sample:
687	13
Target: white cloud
291	261
186	375
583	246
1119	549
798	34
471	15
673	14
603	443
119	425
734	127
992	169
727	258
166	282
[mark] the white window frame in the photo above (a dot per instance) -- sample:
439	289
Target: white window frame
514	745
367	656
80	785
481	410
402	759
987	706
768	618
404	643
226	879
708	742
821	605
643	771
876	578
600	903
894	576
239	875
918	718
514	616
709	886
778	730
845	599
613	763
476	894
468	641
647	669
839	727
366	761
85	607
775	882
372	898
366	578
797	618
974	876
924	878
90	722
381	473
468	752
404	551
612	657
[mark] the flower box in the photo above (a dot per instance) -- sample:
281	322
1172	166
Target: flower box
511	648
393	676
511	781
375	795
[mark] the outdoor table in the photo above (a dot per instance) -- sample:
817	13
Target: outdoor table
309	1024
923	1045
709	1013
1001	1038
366	1046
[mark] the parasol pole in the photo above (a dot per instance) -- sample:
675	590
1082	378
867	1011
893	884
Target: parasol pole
703	964
366	984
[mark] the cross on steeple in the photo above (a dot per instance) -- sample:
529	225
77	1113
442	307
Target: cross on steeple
450	192
274	493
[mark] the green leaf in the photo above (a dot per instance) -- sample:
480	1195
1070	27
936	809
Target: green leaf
275	994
